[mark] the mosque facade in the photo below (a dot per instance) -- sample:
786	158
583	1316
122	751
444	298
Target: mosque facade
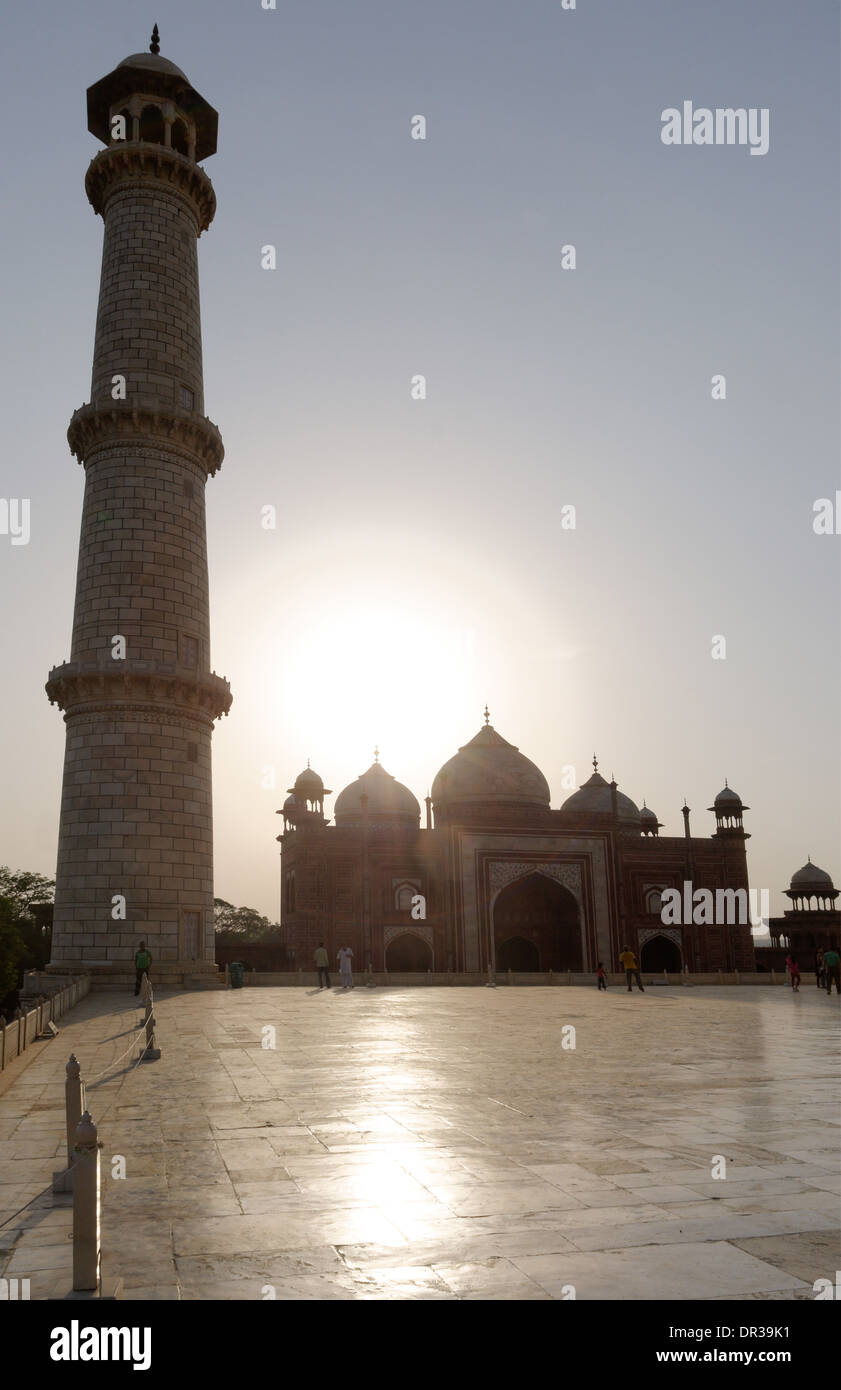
497	878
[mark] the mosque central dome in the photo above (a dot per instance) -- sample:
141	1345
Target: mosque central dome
488	768
389	802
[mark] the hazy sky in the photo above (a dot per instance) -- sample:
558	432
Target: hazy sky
419	566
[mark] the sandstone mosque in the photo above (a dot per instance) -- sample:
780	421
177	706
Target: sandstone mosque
503	881
496	878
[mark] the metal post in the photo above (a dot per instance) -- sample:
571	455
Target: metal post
86	1249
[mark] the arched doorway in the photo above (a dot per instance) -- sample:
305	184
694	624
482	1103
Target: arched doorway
517	954
538	913
659	953
408	952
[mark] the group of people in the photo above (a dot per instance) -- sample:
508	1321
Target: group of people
629	964
322	965
827	969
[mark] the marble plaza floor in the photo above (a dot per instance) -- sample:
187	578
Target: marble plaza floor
433	1143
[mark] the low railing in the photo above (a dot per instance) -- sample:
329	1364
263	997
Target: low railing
615	979
28	1023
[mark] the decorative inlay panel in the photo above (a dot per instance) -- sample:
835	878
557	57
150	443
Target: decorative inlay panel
671	933
503	872
416	929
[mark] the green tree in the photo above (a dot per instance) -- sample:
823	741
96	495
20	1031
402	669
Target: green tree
12	953
24	890
242	923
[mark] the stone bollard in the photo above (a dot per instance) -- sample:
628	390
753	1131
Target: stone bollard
370	980
490	982
74	1106
86	1248
227	977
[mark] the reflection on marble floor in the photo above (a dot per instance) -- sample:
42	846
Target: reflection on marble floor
443	1144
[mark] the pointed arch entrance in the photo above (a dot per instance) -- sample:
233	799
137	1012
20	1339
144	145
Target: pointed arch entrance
518	954
536	919
408	952
659	953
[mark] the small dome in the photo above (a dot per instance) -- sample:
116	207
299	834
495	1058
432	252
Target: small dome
490	769
309	786
595	798
648	816
291	810
727	797
154	61
810	876
389	802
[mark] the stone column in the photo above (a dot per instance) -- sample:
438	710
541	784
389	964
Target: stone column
135	857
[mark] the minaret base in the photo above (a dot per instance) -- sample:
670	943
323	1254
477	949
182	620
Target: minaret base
119	976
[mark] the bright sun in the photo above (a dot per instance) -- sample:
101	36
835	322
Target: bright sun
384	673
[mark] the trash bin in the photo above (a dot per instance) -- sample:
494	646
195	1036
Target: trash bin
236	968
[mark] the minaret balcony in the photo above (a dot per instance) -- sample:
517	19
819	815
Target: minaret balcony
77	687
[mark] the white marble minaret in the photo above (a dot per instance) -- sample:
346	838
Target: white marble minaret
135	854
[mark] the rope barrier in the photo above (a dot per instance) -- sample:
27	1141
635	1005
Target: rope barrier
113	1063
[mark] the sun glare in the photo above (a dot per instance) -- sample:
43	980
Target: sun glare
371	673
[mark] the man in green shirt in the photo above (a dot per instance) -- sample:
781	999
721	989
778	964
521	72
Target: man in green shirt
322	961
832	969
142	961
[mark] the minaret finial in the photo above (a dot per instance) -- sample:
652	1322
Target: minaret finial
595	763
487	717
308	762
376	755
155	45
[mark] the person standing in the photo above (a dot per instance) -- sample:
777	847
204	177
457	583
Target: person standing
142	962
345	968
322	965
601	982
628	961
832	969
819	967
793	971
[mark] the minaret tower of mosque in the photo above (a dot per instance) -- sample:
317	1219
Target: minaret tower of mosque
135	853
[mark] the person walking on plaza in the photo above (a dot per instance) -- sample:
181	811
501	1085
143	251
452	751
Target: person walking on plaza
142	962
322	965
601	982
819	967
345	968
832	969
793	971
628	961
